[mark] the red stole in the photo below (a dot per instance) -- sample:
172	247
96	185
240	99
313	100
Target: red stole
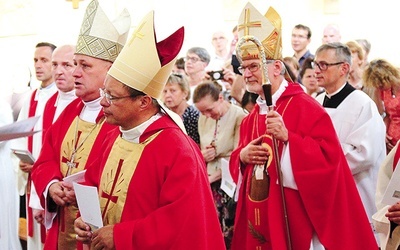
49	112
32	112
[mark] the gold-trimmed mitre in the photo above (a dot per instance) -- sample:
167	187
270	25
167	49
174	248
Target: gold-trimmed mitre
145	64
267	29
99	37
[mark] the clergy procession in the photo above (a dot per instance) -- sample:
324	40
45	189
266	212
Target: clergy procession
132	150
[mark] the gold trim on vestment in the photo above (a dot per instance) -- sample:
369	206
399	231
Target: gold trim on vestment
87	133
116	177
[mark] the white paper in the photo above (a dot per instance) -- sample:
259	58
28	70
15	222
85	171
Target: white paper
18	129
392	193
89	205
227	183
77	177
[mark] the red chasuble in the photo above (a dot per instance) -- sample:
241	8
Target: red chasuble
51	165
156	192
326	201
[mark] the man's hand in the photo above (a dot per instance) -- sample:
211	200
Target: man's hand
83	232
69	193
276	127
25	167
393	213
103	238
56	192
254	153
229	76
38	214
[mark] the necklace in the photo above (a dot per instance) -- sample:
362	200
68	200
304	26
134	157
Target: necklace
71	162
215	135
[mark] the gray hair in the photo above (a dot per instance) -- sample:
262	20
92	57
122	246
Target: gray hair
200	52
342	51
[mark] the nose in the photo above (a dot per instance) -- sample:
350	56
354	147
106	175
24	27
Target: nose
247	72
57	70
316	69
103	102
38	65
76	72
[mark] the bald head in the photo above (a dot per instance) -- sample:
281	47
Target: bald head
331	34
63	67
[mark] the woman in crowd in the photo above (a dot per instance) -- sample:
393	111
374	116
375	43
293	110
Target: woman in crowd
307	75
219	125
175	96
385	79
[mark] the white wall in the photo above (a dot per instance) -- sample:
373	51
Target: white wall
23	23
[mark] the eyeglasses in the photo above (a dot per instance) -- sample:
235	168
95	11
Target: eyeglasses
323	65
177	75
252	67
192	59
110	98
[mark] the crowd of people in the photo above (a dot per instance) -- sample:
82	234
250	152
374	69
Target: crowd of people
240	148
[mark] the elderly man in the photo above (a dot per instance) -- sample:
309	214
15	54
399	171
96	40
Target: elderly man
152	175
73	141
295	189
331	34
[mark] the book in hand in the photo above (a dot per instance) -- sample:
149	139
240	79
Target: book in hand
392	193
24	155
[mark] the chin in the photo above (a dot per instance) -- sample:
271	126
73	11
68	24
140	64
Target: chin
253	88
111	121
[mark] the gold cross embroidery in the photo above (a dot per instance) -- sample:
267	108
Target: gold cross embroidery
247	24
137	34
110	196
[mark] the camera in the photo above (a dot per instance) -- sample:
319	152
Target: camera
216	75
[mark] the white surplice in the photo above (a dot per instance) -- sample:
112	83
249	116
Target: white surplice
361	132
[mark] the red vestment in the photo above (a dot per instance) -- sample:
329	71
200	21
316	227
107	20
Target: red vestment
48	115
49	112
326	201
48	165
167	201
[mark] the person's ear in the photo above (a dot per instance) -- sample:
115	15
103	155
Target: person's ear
145	102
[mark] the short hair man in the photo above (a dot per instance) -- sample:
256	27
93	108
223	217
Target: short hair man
62	68
301	38
221	57
359	126
34	106
331	34
301	135
73	141
158	172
